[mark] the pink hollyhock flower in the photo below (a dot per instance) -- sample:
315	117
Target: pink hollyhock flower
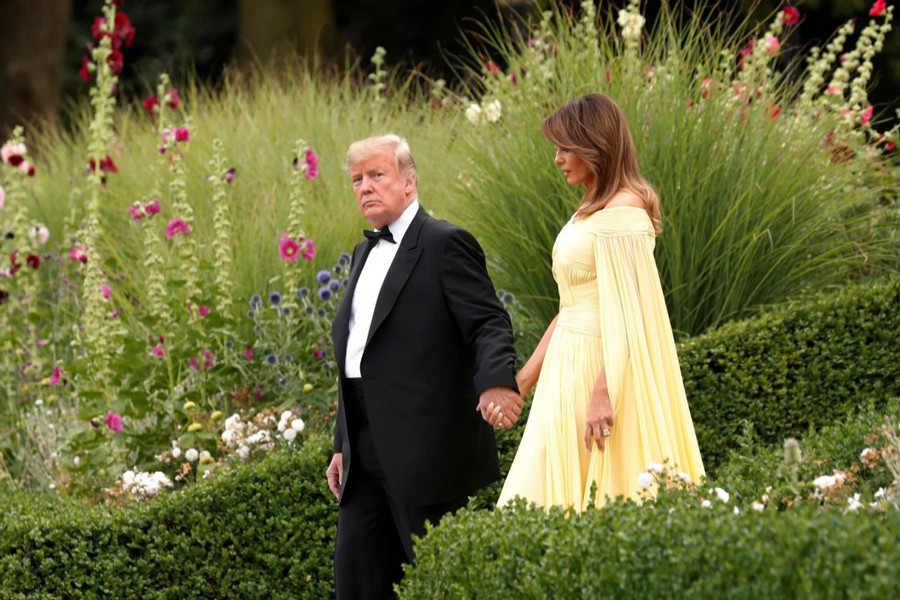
790	16
203	310
866	115
158	351
229	175
136	213
177	226
746	51
152	207
39	234
2	197
113	421
182	134
194	363
878	8
288	248
150	104
87	67
78	254
248	353
173	99
310	164
106	290
833	90
772	45
309	250
209	359
56	376
26	167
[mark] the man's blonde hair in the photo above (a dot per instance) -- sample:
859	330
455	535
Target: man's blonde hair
389	143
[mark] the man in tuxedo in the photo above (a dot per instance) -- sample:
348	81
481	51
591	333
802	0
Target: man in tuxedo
427	367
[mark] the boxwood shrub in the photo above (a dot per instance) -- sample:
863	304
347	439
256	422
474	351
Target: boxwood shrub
658	551
808	364
262	531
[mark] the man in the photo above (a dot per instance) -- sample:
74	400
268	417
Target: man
427	366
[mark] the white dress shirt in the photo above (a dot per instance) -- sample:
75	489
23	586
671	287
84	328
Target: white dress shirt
368	286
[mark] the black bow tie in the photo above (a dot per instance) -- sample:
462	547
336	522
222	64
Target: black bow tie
383	234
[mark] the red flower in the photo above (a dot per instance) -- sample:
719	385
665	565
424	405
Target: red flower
150	104
288	248
107	165
86	68
116	61
866	115
492	68
78	254
172	98
152	207
746	51
774	112
136	213
124	30
33	261
15	265
790	16
177	226
890	146
878	8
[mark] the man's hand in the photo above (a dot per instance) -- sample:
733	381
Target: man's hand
500	406
335	473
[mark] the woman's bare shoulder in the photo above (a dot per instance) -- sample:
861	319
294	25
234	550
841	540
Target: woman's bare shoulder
625	198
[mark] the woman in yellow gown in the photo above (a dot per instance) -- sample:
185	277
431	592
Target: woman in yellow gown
610	400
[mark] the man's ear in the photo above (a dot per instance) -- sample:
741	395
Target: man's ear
411	183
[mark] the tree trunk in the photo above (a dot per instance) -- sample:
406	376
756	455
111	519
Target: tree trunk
32	46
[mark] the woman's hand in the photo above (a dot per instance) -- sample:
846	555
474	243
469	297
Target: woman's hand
599	418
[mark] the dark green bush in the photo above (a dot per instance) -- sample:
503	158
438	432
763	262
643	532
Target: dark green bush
263	531
658	550
809	364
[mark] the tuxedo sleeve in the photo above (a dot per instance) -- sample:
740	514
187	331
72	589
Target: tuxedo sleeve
473	301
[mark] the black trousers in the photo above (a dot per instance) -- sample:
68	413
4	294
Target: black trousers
375	529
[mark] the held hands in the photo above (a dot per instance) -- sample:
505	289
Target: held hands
334	473
599	419
500	406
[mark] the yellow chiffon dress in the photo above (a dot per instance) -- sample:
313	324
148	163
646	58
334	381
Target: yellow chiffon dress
611	312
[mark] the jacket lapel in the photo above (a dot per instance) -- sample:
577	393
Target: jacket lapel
404	262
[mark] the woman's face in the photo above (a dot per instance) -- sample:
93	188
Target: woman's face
575	168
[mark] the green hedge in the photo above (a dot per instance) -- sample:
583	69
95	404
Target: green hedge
658	551
264	531
799	366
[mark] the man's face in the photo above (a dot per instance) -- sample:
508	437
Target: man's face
382	193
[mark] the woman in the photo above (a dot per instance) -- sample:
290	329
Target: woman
610	399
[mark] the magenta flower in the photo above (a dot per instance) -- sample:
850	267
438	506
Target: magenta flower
113	421
209	359
136	213
87	67
158	351
288	248
195	364
173	99
177	226
56	376
866	115
312	165
78	254
106	290
179	134
790	16
248	353
202	310
2	197
150	104
152	208
319	354
878	8
229	175
309	249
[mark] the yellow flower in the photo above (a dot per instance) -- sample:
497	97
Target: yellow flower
206	460
189	406
51	397
215	415
307	387
195	427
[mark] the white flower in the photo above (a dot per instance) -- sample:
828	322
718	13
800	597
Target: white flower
243	452
473	113
880	493
853	503
39	234
865	453
737	511
228	436
76	461
722	495
260	437
191	455
683	477
204	455
706	504
655	467
298	425
234	423
824	482
757	506
645	480
52	486
176	452
54	456
290	434
631	24
492	111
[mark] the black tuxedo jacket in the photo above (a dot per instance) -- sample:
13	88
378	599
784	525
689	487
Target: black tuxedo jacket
439	337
